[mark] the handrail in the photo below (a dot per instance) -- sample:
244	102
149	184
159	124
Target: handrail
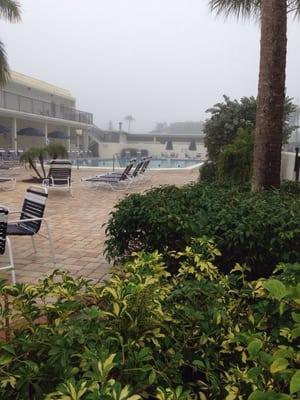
13	101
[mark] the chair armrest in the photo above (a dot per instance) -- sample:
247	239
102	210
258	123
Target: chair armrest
27	220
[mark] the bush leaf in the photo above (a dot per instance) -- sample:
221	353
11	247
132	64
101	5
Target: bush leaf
295	383
279	365
254	347
276	288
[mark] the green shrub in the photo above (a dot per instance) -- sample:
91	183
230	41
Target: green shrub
208	172
290	187
235	160
257	229
198	335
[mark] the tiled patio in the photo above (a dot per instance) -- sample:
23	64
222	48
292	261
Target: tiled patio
76	225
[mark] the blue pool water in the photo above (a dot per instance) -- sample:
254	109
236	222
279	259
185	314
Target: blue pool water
155	162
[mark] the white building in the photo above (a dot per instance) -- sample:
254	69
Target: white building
106	144
34	113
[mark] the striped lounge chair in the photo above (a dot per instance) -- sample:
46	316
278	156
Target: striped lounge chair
59	176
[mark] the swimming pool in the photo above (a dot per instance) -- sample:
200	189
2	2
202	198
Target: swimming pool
155	162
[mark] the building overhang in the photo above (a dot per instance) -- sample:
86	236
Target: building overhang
43	118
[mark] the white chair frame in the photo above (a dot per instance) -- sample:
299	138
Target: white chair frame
11	266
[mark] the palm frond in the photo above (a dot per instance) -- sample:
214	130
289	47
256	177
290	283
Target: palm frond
238	8
294	7
4	68
10	10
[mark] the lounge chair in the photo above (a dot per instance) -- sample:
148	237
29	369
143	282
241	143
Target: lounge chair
59	176
4	240
113	180
144	168
135	173
31	217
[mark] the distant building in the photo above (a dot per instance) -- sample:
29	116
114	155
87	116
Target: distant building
105	144
186	128
34	113
180	128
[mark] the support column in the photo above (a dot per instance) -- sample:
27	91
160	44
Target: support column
15	136
69	139
46	133
85	141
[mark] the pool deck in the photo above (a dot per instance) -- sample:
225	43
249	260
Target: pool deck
76	225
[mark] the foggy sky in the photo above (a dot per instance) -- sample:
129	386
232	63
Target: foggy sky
159	60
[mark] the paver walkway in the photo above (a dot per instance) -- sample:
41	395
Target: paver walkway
76	224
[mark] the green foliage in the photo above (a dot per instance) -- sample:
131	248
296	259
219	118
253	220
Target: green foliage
36	155
226	119
144	335
56	150
290	187
208	172
235	160
10	11
231	115
33	156
259	229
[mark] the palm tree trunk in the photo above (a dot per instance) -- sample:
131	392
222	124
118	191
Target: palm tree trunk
33	166
271	92
41	159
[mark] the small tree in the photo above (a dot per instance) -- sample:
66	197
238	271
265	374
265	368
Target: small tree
36	155
30	158
231	115
10	11
56	150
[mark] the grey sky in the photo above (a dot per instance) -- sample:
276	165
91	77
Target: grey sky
159	60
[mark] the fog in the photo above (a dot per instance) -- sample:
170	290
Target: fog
158	60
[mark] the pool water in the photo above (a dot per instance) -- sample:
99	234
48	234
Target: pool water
154	163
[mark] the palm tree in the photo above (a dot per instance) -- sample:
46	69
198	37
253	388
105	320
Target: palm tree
36	155
30	158
129	119
56	150
271	86
10	11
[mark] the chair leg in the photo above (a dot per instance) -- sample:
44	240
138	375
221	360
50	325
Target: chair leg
33	244
11	260
50	242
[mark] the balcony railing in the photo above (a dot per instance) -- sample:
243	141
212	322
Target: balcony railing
12	101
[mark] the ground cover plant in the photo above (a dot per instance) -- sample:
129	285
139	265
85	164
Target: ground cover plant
148	335
258	229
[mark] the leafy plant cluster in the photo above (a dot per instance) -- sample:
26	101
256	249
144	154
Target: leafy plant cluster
229	116
259	229
235	160
234	164
147	335
37	155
